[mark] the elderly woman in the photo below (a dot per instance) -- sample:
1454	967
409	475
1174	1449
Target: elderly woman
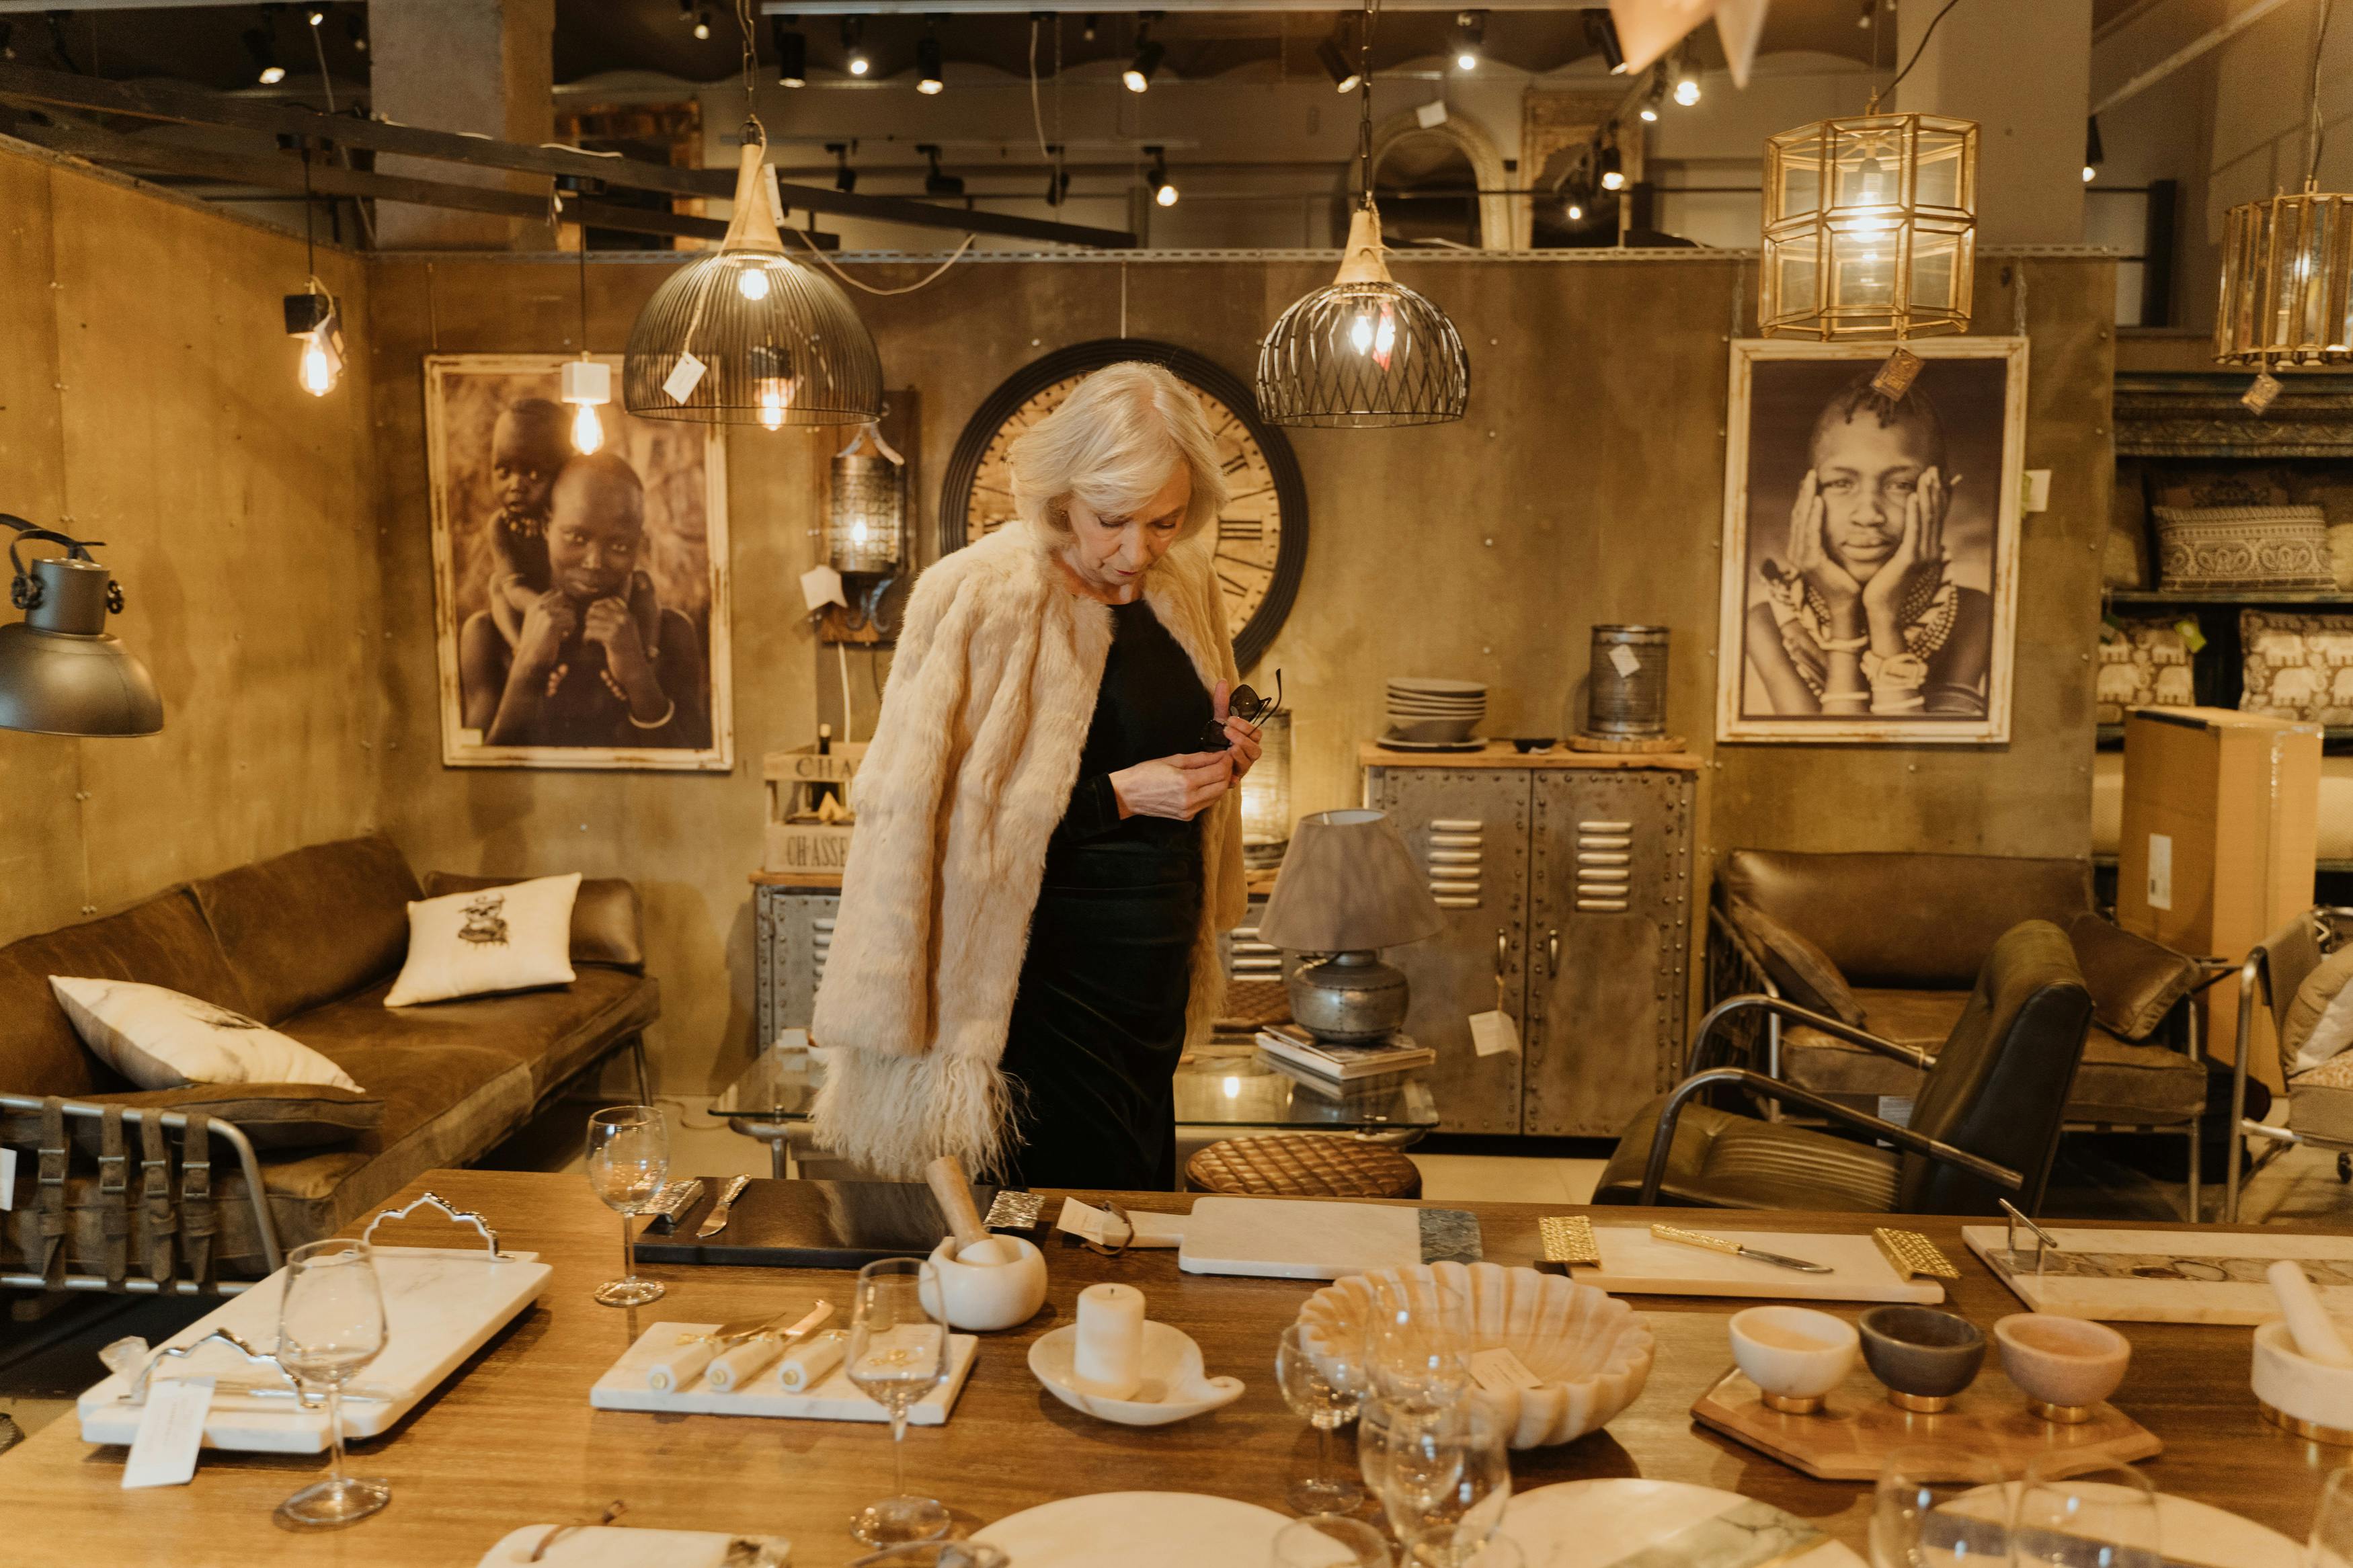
1046	848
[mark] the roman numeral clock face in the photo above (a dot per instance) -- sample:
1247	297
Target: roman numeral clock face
1261	530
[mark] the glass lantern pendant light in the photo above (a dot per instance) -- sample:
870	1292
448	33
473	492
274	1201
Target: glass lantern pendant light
1363	352
2287	268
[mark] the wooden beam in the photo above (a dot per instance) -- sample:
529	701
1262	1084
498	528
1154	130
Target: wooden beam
195	106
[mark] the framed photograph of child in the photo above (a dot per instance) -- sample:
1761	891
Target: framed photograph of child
1870	543
580	599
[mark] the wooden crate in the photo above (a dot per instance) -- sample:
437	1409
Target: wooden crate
796	839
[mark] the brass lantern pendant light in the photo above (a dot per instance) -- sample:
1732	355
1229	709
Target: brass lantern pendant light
1364	352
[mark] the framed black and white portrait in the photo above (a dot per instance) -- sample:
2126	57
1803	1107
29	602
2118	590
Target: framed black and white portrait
1870	543
580	598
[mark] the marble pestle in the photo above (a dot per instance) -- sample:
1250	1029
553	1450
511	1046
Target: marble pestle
2308	1323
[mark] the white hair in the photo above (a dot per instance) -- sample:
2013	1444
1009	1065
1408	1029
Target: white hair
1113	444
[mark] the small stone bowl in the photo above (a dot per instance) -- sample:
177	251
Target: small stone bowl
1528	743
2065	1366
1794	1355
1923	1356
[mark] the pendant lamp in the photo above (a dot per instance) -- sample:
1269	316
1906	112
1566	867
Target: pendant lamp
1364	352
2287	265
748	336
61	672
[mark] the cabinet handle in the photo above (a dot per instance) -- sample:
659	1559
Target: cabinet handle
1503	951
1552	948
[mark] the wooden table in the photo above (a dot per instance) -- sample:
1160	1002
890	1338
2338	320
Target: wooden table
512	1441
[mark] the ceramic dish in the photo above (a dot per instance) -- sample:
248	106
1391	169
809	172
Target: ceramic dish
1447	729
1590	1352
1794	1355
1436	686
1136	1529
2065	1366
1925	1356
1174	1385
1598	1523
1396	743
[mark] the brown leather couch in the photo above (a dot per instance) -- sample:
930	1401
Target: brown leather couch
308	943
1908	934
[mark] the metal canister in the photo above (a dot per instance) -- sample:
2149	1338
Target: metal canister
1625	686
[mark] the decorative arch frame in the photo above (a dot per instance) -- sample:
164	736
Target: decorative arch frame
1498	226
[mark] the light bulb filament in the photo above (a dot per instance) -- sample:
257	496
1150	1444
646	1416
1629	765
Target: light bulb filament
587	430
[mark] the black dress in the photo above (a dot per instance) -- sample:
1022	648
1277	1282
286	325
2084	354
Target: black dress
1098	1024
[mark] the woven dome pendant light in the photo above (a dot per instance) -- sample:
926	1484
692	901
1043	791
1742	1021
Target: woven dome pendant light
1363	352
748	336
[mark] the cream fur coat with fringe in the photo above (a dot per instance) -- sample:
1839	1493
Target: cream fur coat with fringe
972	762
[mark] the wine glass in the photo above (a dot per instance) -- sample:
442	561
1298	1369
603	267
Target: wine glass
1420	1340
1922	1517
898	1353
628	1155
1445	1469
1329	1541
2331	1545
330	1325
2074	1513
1325	1389
1464	1546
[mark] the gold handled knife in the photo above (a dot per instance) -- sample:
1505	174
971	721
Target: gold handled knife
1725	1245
716	1220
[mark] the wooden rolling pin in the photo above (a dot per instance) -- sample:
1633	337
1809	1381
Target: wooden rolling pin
954	1194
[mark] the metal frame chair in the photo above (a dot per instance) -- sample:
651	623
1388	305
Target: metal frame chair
2334	925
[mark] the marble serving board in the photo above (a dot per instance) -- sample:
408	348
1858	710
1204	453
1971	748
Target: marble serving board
1302	1238
1634	1262
623	1387
441	1306
2163	1275
617	1546
1850	1436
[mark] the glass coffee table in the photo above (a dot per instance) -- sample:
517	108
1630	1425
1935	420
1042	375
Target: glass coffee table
1219	1088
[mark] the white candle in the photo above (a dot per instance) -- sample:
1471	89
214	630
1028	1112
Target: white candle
813	1361
739	1365
1109	1363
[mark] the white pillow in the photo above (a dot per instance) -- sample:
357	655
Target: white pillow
493	939
2319	1020
162	1039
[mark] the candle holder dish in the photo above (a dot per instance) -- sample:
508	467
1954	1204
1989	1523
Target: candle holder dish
2065	1366
1175	1388
1923	1356
1590	1352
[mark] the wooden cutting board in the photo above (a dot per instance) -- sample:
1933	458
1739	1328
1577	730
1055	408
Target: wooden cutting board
1636	1263
1302	1238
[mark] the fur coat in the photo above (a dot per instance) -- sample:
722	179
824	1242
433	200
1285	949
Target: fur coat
970	765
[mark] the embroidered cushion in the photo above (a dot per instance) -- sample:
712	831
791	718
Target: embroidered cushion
2143	664
2297	667
160	1040
2274	547
488	939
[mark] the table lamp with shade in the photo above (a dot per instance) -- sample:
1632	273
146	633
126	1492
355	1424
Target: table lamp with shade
1349	889
60	672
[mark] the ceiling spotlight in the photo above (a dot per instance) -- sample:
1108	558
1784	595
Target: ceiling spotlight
266	70
845	178
936	184
2094	154
1655	96
928	79
355	29
1087	26
315	16
1338	66
1613	175
702	24
853	45
1163	189
7	49
1868	7
1602	32
792	53
1686	87
1058	181
1149	56
1470	33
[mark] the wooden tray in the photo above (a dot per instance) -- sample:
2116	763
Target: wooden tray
1857	1428
835	1399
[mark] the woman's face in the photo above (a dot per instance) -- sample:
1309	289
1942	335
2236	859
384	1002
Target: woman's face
1114	552
1868	473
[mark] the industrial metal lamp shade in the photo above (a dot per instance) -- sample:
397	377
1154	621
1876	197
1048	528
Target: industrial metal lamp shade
1870	228
2287	281
1348	888
60	672
1365	350
779	344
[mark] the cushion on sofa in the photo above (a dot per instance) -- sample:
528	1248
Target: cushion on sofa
161	1039
517	937
607	924
309	926
1906	920
273	1115
163	941
1803	971
2134	982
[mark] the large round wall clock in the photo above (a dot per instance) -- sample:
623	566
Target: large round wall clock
1261	542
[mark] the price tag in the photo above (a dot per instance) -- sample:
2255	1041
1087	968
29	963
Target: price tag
821	586
171	1430
1495	1034
1498	1370
7	1178
684	378
1622	659
775	194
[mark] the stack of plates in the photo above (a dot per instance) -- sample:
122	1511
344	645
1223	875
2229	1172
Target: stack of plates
1425	711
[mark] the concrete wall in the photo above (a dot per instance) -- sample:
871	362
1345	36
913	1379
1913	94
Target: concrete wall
148	399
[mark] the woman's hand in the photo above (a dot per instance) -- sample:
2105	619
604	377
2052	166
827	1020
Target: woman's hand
1811	560
1920	553
1179	787
545	627
1240	736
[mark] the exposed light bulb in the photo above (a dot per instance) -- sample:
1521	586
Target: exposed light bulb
318	372
1576	213
587	430
752	282
1613	180
703	30
775	397
1384	338
1688	91
1360	333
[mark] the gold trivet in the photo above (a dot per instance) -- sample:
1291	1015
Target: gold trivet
1913	1254
1568	1239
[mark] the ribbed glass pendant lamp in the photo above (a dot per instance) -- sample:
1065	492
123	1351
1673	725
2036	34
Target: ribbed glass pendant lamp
1363	352
2288	264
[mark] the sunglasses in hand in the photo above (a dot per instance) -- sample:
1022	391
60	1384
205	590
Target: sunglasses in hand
1247	706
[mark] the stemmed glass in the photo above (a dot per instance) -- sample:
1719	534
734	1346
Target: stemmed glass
898	1353
628	1157
330	1325
1445	1479
1922	1517
1420	1342
2331	1545
2073	1513
1326	1390
1329	1541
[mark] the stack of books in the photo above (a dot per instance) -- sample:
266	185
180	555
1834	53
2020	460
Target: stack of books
1331	1067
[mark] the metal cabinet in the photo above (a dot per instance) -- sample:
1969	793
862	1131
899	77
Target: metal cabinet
1565	892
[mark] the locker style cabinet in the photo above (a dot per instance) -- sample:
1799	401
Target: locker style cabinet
1565	880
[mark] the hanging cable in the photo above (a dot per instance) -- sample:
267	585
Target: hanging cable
2315	127
1364	101
1037	115
1925	34
930	278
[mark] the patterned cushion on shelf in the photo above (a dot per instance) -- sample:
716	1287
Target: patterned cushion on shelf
2298	667
2231	484
2205	548
2143	664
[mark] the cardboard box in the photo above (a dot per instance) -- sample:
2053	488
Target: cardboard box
2218	841
797	838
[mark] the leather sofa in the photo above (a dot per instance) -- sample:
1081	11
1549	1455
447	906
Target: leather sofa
308	943
1909	934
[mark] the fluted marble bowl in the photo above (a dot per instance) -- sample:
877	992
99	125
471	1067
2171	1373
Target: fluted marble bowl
1591	1353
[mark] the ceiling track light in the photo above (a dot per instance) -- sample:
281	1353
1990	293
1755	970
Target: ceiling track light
1140	70
7	31
928	79
792	52
2094	154
1058	181
1470	39
1686	81
1612	168
702	24
845	178
267	69
856	60
1601	33
1332	56
936	184
1655	95
355	29
315	15
1163	189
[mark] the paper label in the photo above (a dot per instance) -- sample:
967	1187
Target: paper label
684	378
1495	1034
2160	870
171	1430
7	1178
2034	489
1498	1370
1622	659
821	586
775	194
1895	1108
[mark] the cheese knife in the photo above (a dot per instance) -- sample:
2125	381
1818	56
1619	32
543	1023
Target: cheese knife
1725	1244
716	1220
